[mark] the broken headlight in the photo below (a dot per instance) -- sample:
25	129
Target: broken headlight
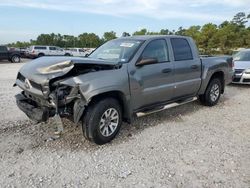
63	92
65	67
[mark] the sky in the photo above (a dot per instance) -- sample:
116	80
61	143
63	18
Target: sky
22	20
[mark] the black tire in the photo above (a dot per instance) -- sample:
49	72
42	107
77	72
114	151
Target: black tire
212	93
67	54
40	55
15	59
93	126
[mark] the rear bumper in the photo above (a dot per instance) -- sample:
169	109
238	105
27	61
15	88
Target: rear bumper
28	55
32	110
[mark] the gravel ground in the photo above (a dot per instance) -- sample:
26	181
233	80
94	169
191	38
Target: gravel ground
186	146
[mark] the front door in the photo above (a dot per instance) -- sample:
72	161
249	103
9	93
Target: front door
153	83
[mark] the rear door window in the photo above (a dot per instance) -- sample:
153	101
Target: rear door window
52	48
181	48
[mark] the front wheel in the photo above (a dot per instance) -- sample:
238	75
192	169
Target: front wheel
15	59
212	93
102	121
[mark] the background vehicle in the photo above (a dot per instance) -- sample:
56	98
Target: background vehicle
237	50
242	67
76	52
88	51
124	77
39	51
13	55
23	52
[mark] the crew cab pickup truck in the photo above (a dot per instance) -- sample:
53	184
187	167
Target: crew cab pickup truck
12	56
39	51
124	77
76	52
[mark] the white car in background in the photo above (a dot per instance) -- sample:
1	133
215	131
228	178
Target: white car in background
76	52
39	51
89	50
242	67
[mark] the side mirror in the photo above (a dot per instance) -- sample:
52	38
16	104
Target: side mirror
146	62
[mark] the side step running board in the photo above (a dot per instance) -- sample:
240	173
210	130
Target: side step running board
171	105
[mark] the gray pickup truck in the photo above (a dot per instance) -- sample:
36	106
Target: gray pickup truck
124	77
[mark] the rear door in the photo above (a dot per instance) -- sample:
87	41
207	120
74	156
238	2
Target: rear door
59	51
153	83
187	68
74	51
52	51
3	52
40	50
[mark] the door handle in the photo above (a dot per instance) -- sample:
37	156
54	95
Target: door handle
194	67
166	70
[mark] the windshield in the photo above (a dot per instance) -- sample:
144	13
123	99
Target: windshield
242	56
117	50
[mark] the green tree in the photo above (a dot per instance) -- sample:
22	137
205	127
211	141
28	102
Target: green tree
240	19
90	40
180	31
165	32
141	32
109	36
206	43
194	32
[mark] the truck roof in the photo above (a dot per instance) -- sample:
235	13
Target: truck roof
146	37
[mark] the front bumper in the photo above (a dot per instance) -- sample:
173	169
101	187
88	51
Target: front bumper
241	77
32	110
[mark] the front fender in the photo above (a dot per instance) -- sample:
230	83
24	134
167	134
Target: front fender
96	83
78	109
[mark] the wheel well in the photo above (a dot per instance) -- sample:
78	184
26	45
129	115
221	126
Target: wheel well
220	75
41	54
119	96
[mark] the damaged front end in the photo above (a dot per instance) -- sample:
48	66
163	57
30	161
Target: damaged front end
45	93
65	101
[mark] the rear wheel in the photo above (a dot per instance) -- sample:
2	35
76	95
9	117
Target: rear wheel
15	59
102	121
212	93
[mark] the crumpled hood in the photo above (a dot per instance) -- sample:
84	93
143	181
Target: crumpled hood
31	69
242	64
